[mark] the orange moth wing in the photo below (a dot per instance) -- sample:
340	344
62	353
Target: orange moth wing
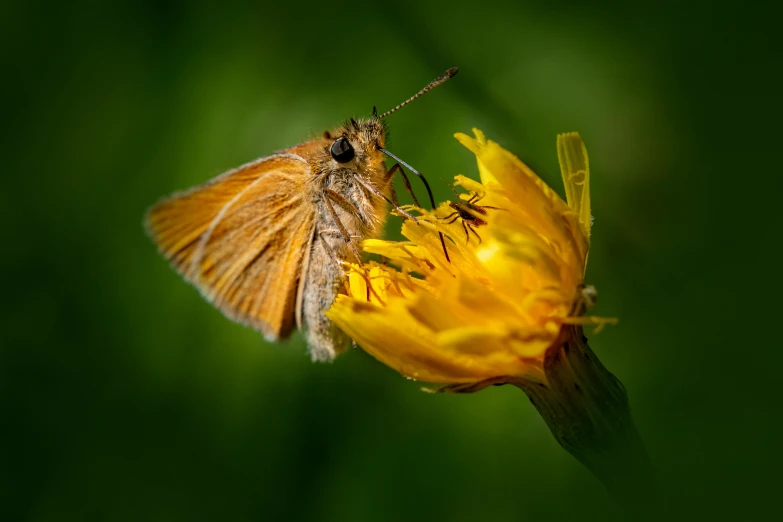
241	239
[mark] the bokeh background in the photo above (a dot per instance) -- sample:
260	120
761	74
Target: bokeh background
125	397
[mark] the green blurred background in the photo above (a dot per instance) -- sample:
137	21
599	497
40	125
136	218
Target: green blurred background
125	397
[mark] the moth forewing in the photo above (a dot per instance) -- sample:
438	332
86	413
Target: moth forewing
240	239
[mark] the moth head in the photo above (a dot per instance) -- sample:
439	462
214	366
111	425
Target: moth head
355	144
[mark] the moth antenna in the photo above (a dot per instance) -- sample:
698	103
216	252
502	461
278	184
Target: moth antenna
440	80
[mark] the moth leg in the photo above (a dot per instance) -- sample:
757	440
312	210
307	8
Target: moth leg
467	236
395	201
398	168
337	233
333	257
345	203
343	276
380	194
330	194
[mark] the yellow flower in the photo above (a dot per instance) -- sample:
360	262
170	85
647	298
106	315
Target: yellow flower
512	278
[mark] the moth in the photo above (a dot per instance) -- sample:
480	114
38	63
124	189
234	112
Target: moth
265	242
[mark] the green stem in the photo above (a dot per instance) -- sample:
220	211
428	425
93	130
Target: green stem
586	409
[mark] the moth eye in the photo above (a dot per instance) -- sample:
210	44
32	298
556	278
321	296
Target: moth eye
342	151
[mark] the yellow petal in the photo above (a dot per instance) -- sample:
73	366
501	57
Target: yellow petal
357	283
475	145
533	202
575	168
396	339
